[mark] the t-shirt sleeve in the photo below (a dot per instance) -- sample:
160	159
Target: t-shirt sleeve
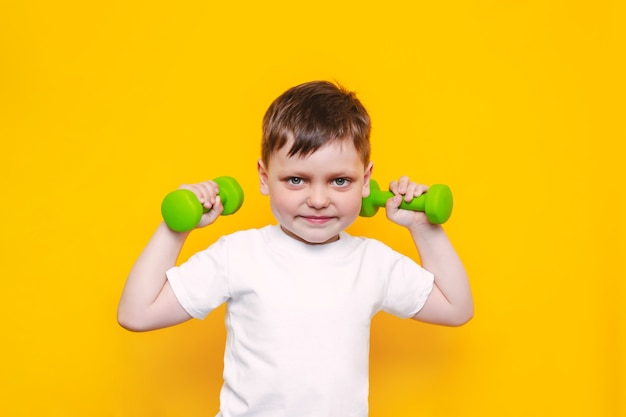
200	284
408	287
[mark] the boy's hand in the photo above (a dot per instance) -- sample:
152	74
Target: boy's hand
207	195
405	189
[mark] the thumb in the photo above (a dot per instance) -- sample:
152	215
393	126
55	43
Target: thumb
393	204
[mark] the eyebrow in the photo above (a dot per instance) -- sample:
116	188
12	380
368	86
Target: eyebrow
333	174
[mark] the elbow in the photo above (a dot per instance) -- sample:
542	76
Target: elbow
129	322
452	317
462	317
125	323
461	321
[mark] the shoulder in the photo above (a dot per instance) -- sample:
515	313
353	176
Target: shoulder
232	242
366	243
245	240
374	253
245	235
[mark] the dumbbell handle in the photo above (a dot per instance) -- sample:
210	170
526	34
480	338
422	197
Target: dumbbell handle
436	203
182	211
379	198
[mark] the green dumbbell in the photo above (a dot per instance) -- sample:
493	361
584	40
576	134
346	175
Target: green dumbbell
182	210
436	203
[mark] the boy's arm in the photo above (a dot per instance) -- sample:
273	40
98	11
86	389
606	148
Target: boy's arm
450	302
147	301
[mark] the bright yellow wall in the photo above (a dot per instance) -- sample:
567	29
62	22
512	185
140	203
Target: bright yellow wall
517	105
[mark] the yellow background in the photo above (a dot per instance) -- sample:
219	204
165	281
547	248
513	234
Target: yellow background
517	105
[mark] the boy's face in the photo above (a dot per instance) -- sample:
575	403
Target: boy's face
317	196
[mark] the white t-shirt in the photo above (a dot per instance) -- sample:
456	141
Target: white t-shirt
298	317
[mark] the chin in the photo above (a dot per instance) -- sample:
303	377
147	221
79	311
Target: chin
313	238
321	241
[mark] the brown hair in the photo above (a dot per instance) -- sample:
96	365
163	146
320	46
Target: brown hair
314	114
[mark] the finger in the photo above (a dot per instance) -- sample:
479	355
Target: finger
409	189
204	191
403	185
414	190
392	205
420	189
393	187
209	191
203	195
216	209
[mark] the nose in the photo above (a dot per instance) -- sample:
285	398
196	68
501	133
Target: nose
318	197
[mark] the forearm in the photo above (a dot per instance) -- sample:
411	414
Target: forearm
147	277
452	302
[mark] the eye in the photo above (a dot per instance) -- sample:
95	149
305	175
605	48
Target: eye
294	180
341	182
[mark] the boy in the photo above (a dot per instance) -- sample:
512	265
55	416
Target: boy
301	294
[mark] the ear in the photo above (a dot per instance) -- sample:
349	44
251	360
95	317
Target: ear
263	178
366	180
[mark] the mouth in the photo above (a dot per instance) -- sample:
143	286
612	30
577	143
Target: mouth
317	220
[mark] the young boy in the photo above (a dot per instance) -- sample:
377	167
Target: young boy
301	294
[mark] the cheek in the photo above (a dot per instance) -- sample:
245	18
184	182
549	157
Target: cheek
351	203
282	201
